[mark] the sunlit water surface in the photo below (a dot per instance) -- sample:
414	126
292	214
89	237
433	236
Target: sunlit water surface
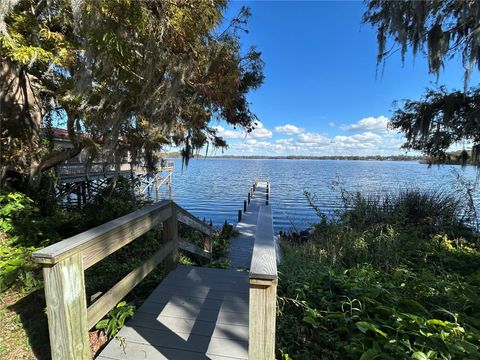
214	189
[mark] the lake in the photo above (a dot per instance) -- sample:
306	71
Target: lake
214	189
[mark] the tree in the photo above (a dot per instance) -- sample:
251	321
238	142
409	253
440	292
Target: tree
135	76
440	30
440	119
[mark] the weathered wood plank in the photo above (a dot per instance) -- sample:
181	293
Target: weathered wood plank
264	263
262	315
107	301
228	347
188	219
67	309
170	233
194	309
101	241
192	248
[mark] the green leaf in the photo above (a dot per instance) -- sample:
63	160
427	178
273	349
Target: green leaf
370	354
102	324
438	322
310	320
419	355
363	326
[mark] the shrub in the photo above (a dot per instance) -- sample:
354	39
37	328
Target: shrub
392	277
337	312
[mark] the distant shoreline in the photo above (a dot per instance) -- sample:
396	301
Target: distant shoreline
260	157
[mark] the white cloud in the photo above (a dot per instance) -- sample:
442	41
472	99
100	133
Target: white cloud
260	132
288	129
229	134
368	124
370	137
316	144
313	139
331	123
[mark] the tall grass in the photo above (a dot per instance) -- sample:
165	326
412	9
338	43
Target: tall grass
389	277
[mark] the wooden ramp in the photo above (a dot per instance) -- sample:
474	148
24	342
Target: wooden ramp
196	313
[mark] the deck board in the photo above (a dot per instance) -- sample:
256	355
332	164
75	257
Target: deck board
196	313
241	247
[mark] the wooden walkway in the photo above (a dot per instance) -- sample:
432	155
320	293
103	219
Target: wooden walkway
241	247
196	313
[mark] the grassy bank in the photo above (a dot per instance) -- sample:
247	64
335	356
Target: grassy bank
396	277
26	225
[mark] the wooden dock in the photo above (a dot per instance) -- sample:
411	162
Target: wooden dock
78	184
195	313
241	247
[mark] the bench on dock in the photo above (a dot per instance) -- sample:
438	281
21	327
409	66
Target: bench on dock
195	313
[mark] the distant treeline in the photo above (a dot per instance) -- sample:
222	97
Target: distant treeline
300	157
460	157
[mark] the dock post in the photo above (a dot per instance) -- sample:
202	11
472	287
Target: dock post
262	316
170	233
239	215
244	206
67	309
248	198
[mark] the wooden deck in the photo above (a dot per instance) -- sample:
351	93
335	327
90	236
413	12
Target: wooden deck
197	313
241	247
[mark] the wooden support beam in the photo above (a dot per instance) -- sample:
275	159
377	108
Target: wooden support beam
239	215
188	219
170	233
194	249
262	317
244	205
67	309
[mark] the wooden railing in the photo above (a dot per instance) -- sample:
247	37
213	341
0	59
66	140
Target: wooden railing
64	264
263	288
79	168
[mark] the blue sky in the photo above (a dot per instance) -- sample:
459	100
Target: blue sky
321	95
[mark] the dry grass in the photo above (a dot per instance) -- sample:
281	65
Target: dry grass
14	337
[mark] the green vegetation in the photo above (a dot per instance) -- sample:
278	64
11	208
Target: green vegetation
24	229
396	277
122	76
220	245
116	319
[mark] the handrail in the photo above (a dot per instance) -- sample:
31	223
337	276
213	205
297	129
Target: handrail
187	218
64	264
76	168
263	287
264	261
109	237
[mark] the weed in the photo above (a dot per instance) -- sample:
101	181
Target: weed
115	319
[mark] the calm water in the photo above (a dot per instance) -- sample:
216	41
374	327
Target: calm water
215	188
